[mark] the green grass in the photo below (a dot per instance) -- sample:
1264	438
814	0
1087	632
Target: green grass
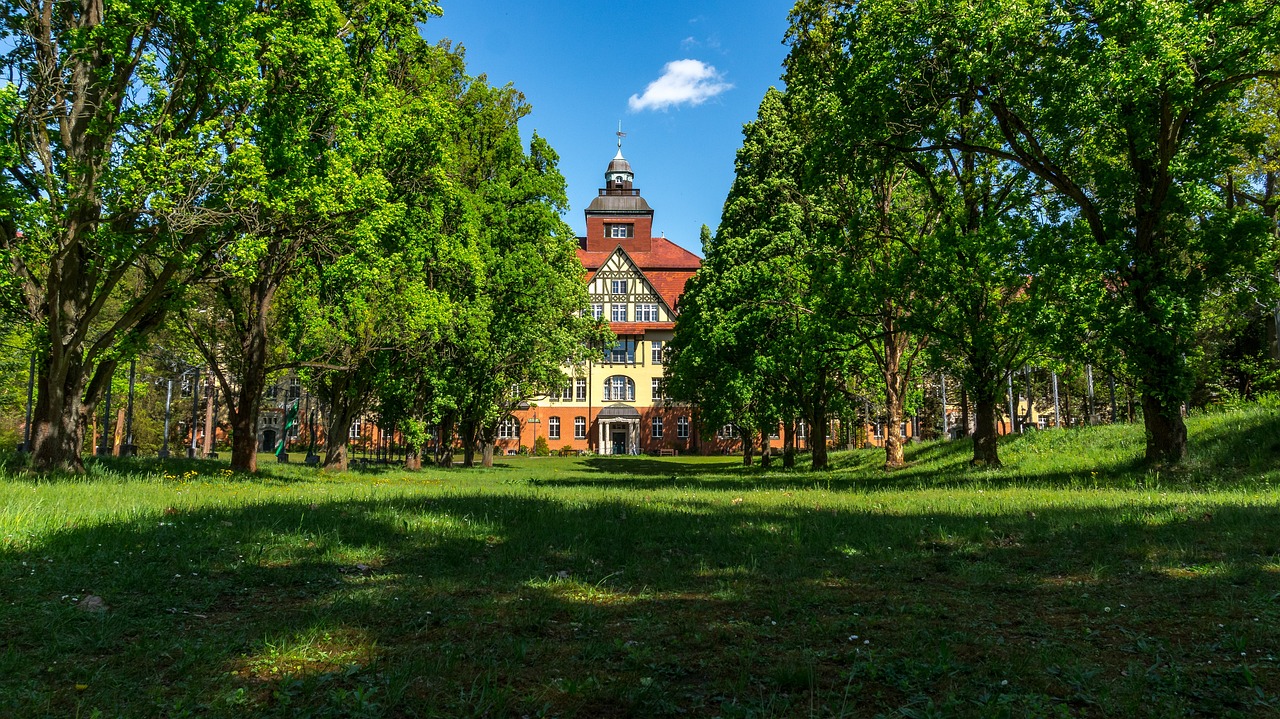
1071	583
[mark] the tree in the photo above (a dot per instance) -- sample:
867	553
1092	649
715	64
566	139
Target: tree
752	347
316	182
117	162
1122	108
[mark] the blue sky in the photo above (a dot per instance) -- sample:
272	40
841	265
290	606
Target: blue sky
585	66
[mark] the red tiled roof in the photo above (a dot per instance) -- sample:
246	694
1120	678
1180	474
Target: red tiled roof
667	266
664	255
639	328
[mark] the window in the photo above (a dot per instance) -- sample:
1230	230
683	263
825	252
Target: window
879	431
659	389
272	419
801	430
619	230
509	428
354	431
619	389
618	312
597	311
553	428
656	351
566	394
617	287
727	432
657	428
580	389
624	352
579	427
682	428
295	388
646	312
774	434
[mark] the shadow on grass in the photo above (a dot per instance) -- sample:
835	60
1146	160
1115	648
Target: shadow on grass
515	604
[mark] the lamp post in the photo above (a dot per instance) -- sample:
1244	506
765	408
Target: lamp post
534	421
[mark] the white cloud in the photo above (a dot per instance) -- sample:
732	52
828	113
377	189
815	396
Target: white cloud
683	82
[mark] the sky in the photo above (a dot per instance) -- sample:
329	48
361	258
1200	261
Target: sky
681	77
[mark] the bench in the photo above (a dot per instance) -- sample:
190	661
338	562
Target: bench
668	452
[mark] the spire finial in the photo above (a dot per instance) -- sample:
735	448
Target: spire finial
621	135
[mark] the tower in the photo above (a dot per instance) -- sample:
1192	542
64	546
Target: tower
619	215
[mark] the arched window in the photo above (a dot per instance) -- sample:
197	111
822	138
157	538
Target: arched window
619	389
509	428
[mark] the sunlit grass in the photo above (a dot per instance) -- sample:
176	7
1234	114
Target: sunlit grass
1074	582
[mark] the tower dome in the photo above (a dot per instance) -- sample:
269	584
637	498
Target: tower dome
619	175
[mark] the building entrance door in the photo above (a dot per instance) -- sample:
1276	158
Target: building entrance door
619	442
268	440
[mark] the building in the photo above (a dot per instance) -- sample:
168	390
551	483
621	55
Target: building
615	405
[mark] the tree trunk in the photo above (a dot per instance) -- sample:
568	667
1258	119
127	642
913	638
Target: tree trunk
244	442
766	459
893	403
964	413
469	444
413	458
336	439
818	437
60	419
986	433
1165	430
117	436
789	445
748	446
208	423
486	453
444	441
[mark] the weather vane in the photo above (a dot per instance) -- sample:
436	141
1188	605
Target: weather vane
621	134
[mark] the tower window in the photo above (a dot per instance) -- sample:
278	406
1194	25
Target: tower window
619	230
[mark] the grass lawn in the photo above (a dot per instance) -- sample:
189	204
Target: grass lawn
1071	583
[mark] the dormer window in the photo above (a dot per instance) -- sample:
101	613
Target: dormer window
619	230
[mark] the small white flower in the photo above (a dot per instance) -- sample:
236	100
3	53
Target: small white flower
853	637
1004	682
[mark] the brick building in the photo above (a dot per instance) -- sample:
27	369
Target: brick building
615	405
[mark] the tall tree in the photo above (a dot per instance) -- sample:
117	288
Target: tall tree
114	180
1123	108
317	180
